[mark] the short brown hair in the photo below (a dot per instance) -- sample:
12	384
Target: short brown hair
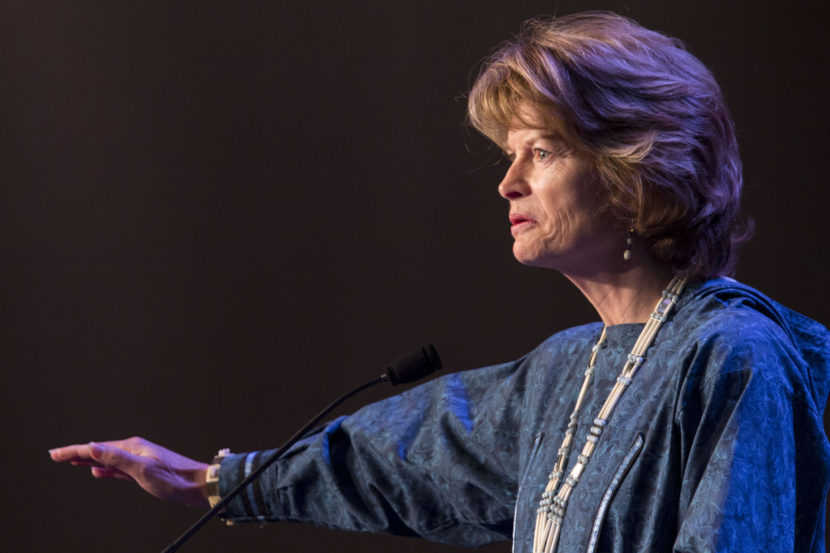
647	113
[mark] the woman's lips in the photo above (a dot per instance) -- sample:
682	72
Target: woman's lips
519	221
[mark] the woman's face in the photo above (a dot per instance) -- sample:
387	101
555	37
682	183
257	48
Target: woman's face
557	210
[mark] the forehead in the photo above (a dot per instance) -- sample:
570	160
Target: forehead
517	137
531	121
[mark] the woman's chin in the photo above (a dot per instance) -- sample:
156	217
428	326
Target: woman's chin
532	258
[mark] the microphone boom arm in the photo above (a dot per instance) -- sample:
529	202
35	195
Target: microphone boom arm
409	367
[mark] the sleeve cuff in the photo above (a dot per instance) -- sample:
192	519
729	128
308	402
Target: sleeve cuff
249	505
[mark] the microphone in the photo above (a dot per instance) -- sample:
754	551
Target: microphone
413	366
407	368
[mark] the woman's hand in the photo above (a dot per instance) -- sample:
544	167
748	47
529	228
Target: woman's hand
161	472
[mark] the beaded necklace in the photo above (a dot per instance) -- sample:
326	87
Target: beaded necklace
554	503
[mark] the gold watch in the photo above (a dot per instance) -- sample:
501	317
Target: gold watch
212	477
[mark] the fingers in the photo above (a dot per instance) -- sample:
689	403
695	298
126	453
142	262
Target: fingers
84	464
78	453
104	460
114	459
104	455
100	472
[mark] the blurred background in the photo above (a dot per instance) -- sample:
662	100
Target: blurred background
218	216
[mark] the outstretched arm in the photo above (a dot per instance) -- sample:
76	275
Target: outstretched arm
159	471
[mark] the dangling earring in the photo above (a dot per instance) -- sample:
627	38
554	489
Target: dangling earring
627	252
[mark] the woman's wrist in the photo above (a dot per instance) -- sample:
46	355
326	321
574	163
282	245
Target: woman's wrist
200	486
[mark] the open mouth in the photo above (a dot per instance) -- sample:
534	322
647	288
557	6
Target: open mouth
519	218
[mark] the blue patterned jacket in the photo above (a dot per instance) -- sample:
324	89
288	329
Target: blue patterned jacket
717	444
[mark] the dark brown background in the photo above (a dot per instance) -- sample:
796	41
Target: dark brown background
219	215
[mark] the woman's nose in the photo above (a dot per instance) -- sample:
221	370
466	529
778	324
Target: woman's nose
513	185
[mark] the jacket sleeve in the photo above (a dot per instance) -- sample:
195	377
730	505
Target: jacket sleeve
436	461
743	415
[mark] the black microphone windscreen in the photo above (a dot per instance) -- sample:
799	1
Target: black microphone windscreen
413	365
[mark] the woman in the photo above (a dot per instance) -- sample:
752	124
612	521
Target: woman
689	419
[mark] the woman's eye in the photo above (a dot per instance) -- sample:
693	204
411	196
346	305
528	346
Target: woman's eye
541	154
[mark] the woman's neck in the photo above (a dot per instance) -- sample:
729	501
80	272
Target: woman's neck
626	294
